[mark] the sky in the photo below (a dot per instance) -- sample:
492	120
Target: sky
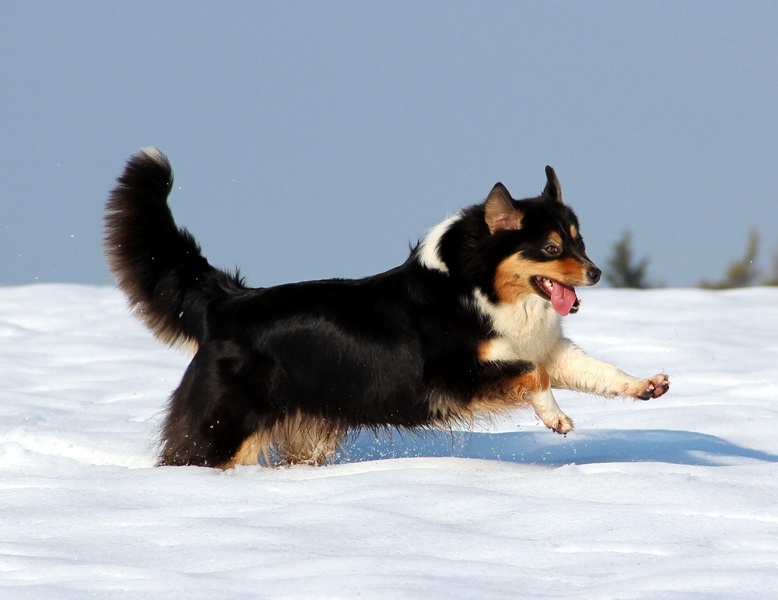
320	139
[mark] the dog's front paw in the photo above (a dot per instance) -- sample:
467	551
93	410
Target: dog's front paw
561	424
652	388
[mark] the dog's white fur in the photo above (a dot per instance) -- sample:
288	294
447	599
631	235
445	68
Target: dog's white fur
429	255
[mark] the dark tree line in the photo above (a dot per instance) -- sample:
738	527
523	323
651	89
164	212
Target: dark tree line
625	271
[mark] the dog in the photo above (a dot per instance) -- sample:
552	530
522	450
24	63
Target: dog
468	326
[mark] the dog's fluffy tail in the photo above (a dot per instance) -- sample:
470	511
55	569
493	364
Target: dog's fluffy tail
159	266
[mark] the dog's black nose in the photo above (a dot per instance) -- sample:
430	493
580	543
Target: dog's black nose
594	274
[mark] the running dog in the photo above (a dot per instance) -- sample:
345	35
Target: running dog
469	325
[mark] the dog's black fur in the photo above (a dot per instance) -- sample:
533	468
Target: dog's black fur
280	374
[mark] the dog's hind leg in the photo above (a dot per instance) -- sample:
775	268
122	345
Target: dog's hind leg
303	439
291	440
213	417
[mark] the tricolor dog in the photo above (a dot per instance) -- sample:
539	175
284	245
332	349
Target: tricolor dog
468	325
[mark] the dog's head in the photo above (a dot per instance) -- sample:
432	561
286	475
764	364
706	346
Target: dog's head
536	247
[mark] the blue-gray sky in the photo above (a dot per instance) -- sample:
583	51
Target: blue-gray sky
319	139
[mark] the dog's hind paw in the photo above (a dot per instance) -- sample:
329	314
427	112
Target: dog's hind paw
652	388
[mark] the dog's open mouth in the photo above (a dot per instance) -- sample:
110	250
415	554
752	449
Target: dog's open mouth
562	296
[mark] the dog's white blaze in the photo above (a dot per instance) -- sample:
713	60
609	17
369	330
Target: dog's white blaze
527	330
429	255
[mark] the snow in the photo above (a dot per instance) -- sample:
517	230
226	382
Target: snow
672	498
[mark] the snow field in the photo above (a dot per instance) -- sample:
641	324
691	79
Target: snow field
671	498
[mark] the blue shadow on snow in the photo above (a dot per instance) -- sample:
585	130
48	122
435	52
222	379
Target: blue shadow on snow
546	448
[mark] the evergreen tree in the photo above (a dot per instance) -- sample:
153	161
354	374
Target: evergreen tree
622	272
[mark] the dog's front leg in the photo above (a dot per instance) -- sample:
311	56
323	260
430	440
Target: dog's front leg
571	368
549	412
535	388
503	386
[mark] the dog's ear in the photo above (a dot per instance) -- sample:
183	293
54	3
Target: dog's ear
500	213
553	190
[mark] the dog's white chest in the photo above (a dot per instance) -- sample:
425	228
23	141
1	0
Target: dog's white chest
527	330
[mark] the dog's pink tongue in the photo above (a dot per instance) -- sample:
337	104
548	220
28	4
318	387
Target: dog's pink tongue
562	298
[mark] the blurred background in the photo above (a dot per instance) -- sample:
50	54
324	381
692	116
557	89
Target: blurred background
320	139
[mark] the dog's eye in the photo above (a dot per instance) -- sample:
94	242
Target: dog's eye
551	249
